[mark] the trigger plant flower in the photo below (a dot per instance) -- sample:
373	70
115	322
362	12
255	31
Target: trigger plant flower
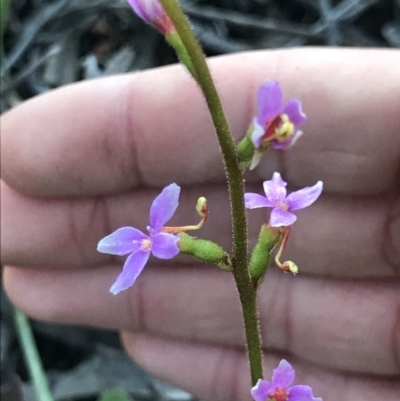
282	204
276	124
152	12
279	388
138	245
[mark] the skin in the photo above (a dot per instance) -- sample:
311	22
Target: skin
84	160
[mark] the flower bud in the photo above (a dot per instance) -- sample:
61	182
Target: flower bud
204	250
152	12
261	256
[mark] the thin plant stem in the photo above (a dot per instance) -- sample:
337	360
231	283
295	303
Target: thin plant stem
32	357
247	293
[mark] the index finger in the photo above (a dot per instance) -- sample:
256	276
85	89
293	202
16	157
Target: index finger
152	128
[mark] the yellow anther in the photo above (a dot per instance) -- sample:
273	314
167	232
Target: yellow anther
146	245
201	206
291	266
286	130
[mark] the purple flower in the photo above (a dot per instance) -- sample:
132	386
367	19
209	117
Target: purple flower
283	205
279	389
275	123
129	240
153	13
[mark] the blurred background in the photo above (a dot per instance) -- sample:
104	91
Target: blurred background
51	43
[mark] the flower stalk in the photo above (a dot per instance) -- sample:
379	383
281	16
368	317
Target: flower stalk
175	41
247	293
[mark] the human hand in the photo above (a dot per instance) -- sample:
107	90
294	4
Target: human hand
84	160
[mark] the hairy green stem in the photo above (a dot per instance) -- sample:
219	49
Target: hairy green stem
235	182
176	42
32	357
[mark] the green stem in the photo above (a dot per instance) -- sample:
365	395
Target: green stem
235	182
32	357
175	41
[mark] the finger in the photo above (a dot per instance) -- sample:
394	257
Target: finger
338	236
221	374
351	326
153	128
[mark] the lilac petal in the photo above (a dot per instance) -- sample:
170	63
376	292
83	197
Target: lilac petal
122	241
275	189
302	393
280	218
164	206
277	180
257	133
137	7
283	375
148	10
260	392
254	201
165	245
282	145
133	266
304	197
269	102
294	112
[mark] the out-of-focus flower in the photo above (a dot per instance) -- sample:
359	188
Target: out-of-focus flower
283	205
153	13
276	124
129	240
279	388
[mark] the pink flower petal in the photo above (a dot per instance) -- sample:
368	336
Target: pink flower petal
165	246
275	189
302	393
283	375
294	112
260	392
282	145
254	201
133	266
304	197
277	180
122	241
148	10
164	206
280	218
269	102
